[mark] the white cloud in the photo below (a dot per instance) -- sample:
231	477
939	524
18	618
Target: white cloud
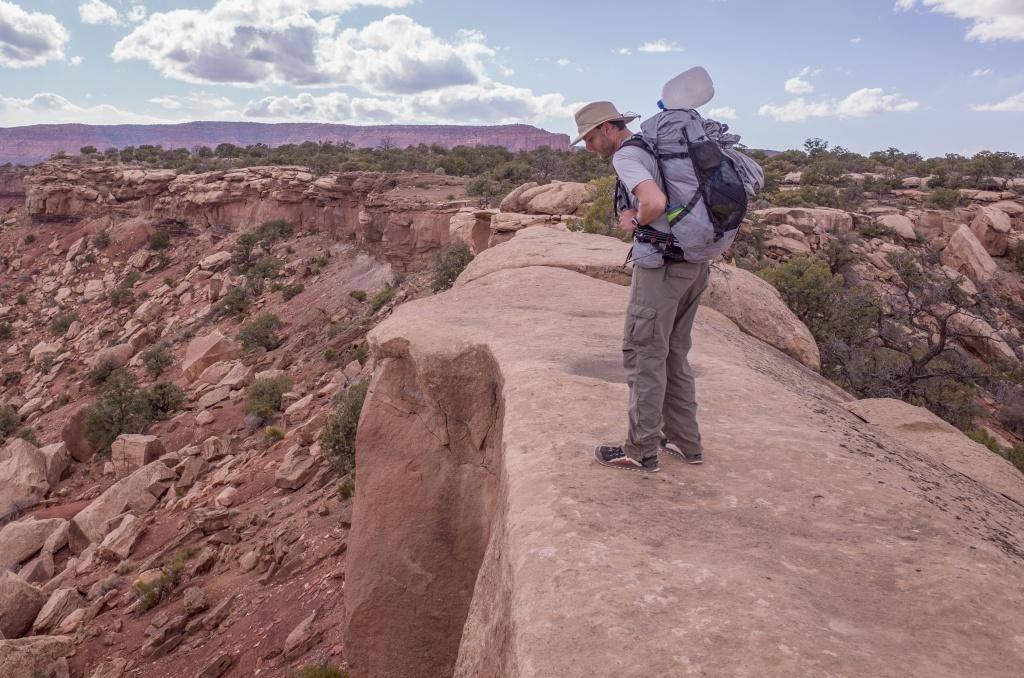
859	104
29	38
298	42
1014	104
563	62
659	46
487	103
722	113
76	61
137	13
856	41
98	12
981	72
990	19
799	84
48	108
624	51
171	102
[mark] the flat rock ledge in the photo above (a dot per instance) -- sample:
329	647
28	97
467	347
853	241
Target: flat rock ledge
487	542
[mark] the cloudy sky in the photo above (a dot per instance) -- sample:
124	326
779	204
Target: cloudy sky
934	76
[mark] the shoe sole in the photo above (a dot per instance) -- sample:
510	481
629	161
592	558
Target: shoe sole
681	456
620	467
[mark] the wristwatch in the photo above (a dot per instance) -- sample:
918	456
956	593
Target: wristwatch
636	224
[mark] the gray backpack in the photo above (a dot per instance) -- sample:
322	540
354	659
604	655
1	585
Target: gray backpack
707	183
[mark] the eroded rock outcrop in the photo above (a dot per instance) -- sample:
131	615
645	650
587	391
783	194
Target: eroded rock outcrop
404	217
517	555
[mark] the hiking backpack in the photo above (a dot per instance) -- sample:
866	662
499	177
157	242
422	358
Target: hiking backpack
706	182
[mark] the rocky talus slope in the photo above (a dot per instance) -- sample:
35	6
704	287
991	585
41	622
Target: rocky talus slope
823	535
486	541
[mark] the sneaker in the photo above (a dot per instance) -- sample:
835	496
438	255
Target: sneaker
688	457
617	458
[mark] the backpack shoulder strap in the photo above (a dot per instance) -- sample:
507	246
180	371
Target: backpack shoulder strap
638	141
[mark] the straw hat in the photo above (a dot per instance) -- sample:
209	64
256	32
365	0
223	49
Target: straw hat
597	113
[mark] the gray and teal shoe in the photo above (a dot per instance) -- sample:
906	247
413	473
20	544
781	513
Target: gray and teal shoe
688	457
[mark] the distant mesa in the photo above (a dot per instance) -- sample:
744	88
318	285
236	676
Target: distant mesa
35	143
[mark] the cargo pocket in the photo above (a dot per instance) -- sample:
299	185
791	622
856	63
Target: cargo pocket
640	324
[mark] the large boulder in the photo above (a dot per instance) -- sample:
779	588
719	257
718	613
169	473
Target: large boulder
558	197
137	493
297	467
20	602
113	357
73	436
513	201
43	349
23	476
21	540
131	452
37	656
991	226
206	350
899	224
118	545
471	227
60	604
807	219
758	309
595	255
938	226
57	462
965	254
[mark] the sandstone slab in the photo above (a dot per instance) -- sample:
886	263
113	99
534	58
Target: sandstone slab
23	477
21	540
965	254
206	350
38	656
136	493
477	487
20	602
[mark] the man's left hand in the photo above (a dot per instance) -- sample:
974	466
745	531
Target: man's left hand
626	220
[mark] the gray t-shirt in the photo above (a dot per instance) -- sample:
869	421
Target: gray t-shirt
634	165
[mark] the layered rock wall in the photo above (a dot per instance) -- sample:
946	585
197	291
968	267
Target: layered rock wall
403	216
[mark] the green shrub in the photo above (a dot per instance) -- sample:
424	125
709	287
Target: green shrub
234	302
1017	255
982	436
5	331
275	229
121	297
330	354
9	421
242	251
103	369
273	434
876	230
264	396
261	332
30	238
101	240
943	198
319	671
159	240
339	436
347	487
360	353
358	295
130	278
28	435
382	298
452	263
90	258
1016	456
157	358
21	299
120	409
11	378
808	287
61	322
292	291
164	399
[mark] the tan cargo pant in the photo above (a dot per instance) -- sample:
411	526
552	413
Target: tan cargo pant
656	340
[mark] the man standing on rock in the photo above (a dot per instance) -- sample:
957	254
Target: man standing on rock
663	301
